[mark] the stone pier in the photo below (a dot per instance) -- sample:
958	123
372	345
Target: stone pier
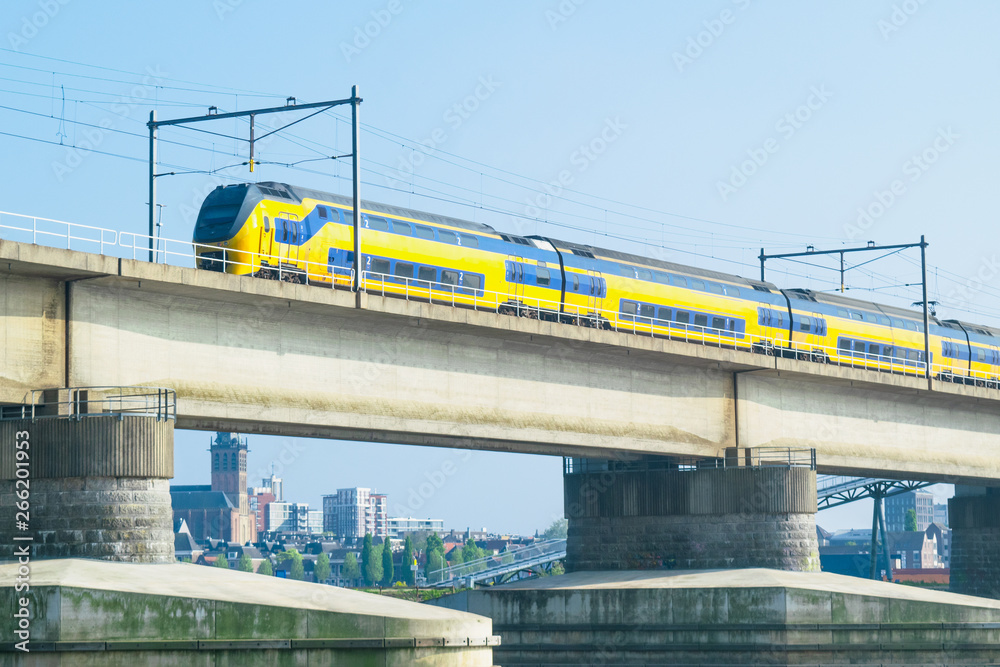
650	515
94	483
974	518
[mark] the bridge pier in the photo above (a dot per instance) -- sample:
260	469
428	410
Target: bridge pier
974	518
653	514
83	475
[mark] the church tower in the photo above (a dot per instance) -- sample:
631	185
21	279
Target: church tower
229	475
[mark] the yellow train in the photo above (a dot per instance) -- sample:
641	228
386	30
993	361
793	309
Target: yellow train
278	231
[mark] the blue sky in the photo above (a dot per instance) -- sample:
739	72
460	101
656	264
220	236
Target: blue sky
695	132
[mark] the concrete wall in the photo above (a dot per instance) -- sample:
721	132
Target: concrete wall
692	520
266	357
96	488
974	518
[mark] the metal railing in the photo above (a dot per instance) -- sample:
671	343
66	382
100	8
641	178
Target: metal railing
288	267
83	402
493	566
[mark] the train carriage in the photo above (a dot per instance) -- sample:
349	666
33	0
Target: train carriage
274	230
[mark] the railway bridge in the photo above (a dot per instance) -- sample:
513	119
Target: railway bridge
664	433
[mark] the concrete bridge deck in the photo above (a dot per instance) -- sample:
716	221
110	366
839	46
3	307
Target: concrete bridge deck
258	356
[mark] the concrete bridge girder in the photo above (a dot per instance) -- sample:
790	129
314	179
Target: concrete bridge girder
260	356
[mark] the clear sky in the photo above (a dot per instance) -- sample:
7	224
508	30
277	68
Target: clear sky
694	132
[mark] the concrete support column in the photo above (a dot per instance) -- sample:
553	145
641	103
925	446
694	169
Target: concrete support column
974	518
739	517
96	487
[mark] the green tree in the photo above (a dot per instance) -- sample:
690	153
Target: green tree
471	551
221	562
350	570
322	570
387	569
296	570
245	563
434	542
407	575
435	562
557	530
911	521
266	568
371	562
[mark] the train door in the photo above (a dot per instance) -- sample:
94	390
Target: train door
595	291
266	234
515	278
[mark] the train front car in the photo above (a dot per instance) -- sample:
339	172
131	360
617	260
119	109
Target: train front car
222	233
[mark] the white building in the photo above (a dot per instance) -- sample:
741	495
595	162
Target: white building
293	518
356	512
400	526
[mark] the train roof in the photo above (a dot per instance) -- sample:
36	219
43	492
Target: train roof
297	194
615	255
840	300
972	328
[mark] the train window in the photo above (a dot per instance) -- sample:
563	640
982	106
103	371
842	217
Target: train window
719	323
447	237
424	232
875	349
380	266
683	317
349	218
449	277
805	324
543	277
698	285
732	291
427	274
378	224
626	271
763	317
295	231
980	354
870	318
322	212
855	315
661	278
644	274
663	314
629	307
841	312
267	225
402	228
645	310
403	270
576	283
887	351
883	320
470	241
700	320
912	326
678	281
472	280
715	288
844	345
897	323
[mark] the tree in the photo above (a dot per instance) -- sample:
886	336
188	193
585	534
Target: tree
221	562
435	562
371	562
434	542
322	570
407	575
350	570
245	563
557	530
266	568
387	569
471	551
911	521
296	570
